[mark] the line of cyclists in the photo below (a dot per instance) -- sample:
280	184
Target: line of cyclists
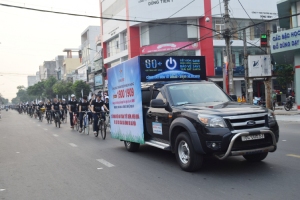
96	108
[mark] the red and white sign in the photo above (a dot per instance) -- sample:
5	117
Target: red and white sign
169	47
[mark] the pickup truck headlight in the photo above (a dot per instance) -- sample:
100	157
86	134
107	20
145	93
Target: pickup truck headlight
212	121
271	116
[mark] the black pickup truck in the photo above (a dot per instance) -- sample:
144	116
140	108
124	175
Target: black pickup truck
193	119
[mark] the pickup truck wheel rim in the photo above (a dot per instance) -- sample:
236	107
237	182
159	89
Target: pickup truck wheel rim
128	144
184	152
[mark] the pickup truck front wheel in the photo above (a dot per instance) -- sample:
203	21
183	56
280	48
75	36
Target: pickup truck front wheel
131	146
186	156
256	157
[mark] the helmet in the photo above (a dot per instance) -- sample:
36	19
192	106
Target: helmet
73	95
107	97
63	99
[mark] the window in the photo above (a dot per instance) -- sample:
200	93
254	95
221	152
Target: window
113	47
220	27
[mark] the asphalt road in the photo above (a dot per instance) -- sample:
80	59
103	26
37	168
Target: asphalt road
39	161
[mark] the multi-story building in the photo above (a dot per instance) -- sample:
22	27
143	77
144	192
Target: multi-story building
47	70
285	45
31	80
37	77
70	63
59	66
189	29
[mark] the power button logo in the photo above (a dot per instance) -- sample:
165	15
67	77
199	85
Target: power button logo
171	63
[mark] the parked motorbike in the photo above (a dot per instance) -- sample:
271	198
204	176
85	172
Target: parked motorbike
289	103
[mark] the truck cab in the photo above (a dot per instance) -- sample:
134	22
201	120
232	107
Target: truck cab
196	118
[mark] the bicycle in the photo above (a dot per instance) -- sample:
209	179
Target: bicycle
57	119
86	125
41	114
76	121
49	117
101	126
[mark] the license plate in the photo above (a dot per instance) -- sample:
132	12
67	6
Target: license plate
253	137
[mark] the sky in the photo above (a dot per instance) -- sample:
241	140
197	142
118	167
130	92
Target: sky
28	38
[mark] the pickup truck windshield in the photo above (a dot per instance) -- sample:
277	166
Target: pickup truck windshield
194	93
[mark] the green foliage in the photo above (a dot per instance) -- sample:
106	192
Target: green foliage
62	88
3	100
48	91
37	89
284	74
80	85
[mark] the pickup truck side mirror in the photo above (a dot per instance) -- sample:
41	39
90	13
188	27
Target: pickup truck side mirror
158	103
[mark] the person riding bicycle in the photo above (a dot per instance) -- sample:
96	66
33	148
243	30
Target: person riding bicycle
64	108
56	107
48	109
83	107
39	106
72	109
96	108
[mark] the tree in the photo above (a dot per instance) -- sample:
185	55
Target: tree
284	74
80	85
62	88
48	92
37	89
22	94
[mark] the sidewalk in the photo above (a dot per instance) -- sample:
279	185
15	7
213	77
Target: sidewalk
279	110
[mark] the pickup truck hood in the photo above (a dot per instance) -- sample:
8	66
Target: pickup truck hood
222	109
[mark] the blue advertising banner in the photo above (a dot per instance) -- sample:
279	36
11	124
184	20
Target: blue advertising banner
125	99
98	80
168	68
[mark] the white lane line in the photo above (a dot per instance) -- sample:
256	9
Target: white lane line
1	190
17	152
73	145
38	125
293	155
99	168
55	135
104	162
283	140
45	129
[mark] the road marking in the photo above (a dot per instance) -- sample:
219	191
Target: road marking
283	140
45	129
38	125
99	168
73	145
17	152
104	162
293	155
55	135
1	190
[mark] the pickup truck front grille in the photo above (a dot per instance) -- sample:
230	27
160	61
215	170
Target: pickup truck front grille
240	122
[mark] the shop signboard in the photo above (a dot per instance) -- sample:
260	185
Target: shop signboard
125	99
98	80
259	65
168	68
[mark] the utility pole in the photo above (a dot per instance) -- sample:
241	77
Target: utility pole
268	81
248	81
227	36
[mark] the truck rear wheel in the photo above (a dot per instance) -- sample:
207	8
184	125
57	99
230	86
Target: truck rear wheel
186	156
131	146
255	157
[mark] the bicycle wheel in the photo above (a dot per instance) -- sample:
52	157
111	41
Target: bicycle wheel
103	130
77	125
87	126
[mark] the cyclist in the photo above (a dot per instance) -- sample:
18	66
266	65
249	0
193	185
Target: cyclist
56	107
72	109
38	109
96	108
48	109
83	107
106	103
64	108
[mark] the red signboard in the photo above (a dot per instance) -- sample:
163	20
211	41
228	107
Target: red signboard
169	47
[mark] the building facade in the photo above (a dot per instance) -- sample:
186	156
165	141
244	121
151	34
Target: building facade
285	45
70	64
31	80
47	69
174	27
